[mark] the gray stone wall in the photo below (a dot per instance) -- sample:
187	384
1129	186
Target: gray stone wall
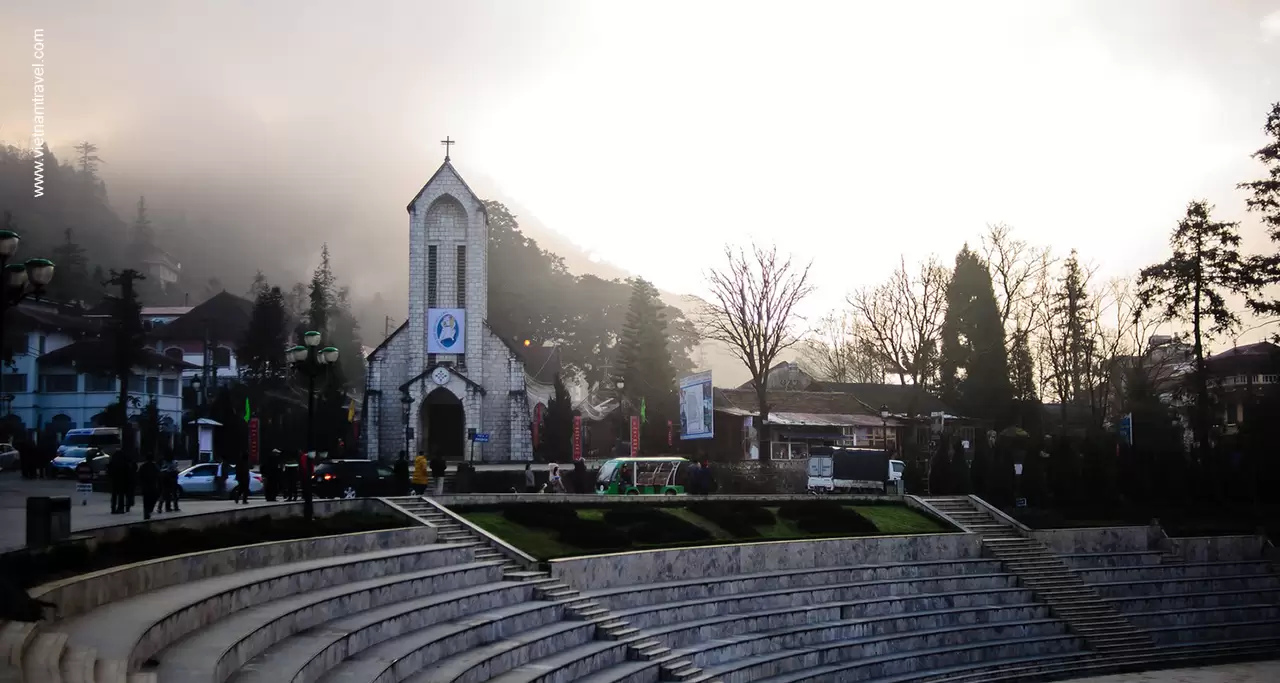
1111	539
653	566
1219	548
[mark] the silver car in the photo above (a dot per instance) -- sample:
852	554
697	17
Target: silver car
65	465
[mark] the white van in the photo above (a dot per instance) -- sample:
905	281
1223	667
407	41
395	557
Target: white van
105	439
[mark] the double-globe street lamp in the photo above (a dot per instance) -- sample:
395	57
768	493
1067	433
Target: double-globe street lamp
20	280
311	361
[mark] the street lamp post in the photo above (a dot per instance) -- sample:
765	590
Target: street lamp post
20	280
197	387
406	400
311	361
884	425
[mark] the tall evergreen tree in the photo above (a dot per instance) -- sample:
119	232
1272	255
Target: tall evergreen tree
261	351
557	427
321	294
1191	286
645	362
974	361
1266	201
144	234
1023	383
88	159
72	283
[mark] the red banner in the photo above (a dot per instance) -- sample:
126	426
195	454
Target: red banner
577	437
635	436
670	432
253	441
537	425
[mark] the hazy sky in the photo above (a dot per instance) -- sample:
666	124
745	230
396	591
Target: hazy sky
651	133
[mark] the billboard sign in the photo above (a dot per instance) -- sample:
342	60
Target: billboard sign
446	330
696	409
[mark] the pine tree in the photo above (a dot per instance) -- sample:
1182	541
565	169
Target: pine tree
1191	286
557	427
72	283
1072	348
1266	201
344	334
1023	383
261	351
321	295
144	234
645	362
89	158
974	362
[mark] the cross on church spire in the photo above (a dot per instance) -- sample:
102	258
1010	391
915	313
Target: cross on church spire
447	144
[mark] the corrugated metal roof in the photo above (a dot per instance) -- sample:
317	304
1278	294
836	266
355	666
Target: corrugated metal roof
816	420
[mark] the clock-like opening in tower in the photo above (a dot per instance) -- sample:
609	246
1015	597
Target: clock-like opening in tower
444	425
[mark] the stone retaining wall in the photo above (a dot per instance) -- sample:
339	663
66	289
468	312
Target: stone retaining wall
1218	548
650	566
1109	539
79	594
464	499
234	514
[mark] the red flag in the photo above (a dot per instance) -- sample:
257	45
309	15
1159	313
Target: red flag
670	432
577	437
635	436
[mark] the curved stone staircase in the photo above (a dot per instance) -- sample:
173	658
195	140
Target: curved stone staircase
471	609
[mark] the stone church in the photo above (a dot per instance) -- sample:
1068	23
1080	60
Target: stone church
445	375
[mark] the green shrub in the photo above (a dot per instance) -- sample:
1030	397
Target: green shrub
826	517
590	534
671	530
739	518
635	514
554	516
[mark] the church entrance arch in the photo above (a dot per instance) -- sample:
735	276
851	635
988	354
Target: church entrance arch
443	425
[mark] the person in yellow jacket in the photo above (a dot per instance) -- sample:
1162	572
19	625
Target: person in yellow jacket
420	478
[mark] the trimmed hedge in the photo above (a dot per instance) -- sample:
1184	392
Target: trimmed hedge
826	517
740	518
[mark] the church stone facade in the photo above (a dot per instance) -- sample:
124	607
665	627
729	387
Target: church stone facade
481	385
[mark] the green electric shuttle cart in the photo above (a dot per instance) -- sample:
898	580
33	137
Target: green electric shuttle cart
640	476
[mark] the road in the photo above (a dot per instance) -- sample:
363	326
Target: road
14	491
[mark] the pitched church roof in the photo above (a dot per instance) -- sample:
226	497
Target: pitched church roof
454	171
227	316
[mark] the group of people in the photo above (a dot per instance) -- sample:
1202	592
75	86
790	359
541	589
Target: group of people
580	479
157	481
419	480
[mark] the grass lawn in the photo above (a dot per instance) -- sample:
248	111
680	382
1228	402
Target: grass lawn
545	543
540	543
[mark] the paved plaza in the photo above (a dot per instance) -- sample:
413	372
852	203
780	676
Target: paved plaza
14	491
1257	672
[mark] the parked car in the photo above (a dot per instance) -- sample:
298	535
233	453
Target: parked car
10	459
201	480
65	464
352	479
105	439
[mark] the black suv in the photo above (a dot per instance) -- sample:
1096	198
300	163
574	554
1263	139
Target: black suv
353	479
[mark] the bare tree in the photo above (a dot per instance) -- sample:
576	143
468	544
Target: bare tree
901	319
836	351
753	313
1019	275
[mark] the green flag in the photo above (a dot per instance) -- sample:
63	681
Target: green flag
246	409
643	417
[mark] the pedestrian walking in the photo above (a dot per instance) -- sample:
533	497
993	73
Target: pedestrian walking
580	483
271	475
117	478
420	478
149	481
438	469
169	485
290	480
529	485
557	486
242	479
401	470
